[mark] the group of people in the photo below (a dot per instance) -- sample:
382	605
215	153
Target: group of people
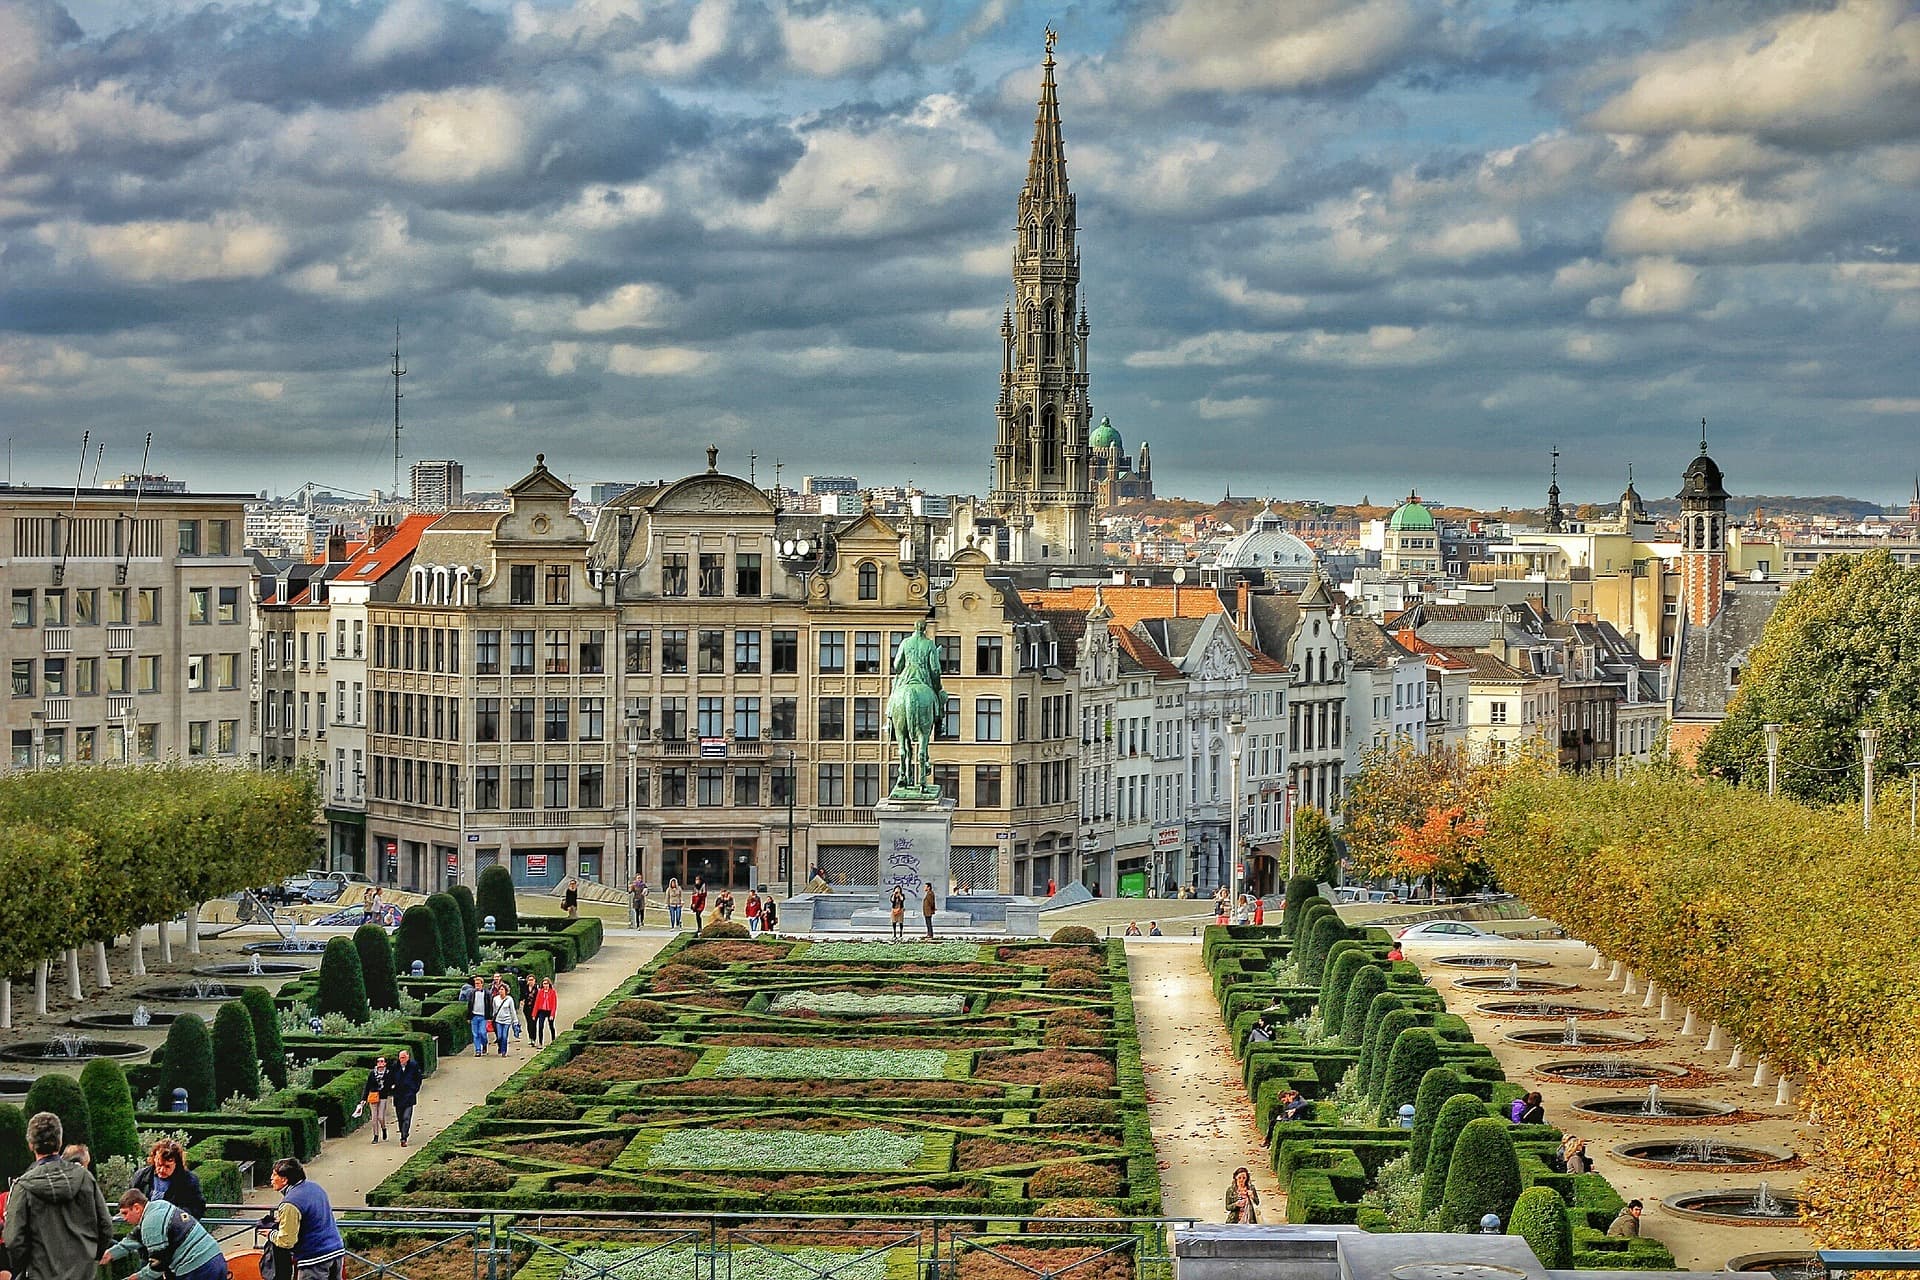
391	1093
497	1010
897	910
1153	929
1248	909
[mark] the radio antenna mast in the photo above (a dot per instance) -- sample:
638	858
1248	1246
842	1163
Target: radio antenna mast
398	373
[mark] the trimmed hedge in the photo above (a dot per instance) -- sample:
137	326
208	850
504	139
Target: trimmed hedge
266	1034
1299	890
62	1095
110	1110
1378	1054
236	1059
1342	964
375	949
1540	1218
495	898
343	988
469	917
14	1156
1416	1051
1456	1113
1368	982
451	930
186	1062
418	939
1327	930
1074	933
1483	1174
1380	1006
1436	1087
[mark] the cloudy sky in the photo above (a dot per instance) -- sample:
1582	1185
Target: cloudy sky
1330	247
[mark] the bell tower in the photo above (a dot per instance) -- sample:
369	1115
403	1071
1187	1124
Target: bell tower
1703	536
1042	481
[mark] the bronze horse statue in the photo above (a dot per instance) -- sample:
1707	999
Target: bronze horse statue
913	711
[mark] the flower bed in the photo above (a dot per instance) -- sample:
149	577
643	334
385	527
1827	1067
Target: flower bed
677	1262
851	1003
833	1064
862	1150
893	952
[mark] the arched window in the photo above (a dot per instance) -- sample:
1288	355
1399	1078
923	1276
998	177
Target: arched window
1051	347
1033	334
1033	236
1049	442
1050	235
869	578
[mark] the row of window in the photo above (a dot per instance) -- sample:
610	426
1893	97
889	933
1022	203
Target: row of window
125	606
1314	726
206	537
85	677
709	649
429	648
92	743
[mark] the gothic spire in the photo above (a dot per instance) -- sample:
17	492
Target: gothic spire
1047	166
1556	522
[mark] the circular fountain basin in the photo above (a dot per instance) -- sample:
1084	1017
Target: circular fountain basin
74	1049
1521	986
1589	1041
1735	1207
1784	1264
1632	1109
194	992
299	947
1488	962
15	1086
267	969
1611	1072
156	1018
1560	1010
1706	1157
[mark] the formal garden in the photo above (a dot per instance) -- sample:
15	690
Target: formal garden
1360	1038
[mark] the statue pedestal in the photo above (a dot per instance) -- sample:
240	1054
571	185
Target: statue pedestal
916	849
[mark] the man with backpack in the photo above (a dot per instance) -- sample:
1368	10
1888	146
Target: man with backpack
173	1244
57	1220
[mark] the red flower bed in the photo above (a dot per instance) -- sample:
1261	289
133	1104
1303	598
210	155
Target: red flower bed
1042	1065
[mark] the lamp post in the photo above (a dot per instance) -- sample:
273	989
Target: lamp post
633	772
793	779
1773	759
1869	739
39	739
1293	795
1236	728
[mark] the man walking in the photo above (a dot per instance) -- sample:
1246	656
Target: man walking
57	1220
480	1011
637	891
406	1091
303	1230
166	1237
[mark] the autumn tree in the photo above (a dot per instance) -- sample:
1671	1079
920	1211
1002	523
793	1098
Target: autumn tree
1420	814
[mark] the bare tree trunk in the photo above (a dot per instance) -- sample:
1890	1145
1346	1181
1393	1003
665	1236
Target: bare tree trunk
101	978
193	929
137	957
40	988
6	1004
166	942
73	973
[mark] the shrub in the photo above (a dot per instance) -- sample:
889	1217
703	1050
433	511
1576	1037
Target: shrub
537	1104
1369	981
466	1174
642	1011
1073	1180
1326	931
376	966
1074	933
14	1156
1436	1087
495	898
343	990
1483	1174
236	1060
1072	1038
1383	1004
1335	976
1300	890
612	1027
679	977
1071	1208
1311	911
1075	1018
418	938
62	1096
1379	1053
566	1080
1074	1086
1540	1218
109	1110
187	1060
1073	980
1076	1111
726	929
469	917
1416	1051
451	930
1456	1113
266	1034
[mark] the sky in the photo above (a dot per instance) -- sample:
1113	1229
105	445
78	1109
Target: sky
1330	248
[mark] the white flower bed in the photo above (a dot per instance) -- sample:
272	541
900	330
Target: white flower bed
861	1150
859	1005
834	1064
677	1262
894	952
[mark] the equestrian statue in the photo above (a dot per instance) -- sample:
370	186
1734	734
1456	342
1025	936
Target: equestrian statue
913	710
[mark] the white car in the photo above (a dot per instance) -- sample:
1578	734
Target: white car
1458	932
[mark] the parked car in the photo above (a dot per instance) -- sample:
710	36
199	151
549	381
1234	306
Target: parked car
1446	931
327	890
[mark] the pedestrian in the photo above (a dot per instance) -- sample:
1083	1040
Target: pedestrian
769	915
1259	909
405	1085
724	904
529	992
165	1176
1627	1225
637	895
1243	1199
379	1089
77	1152
545	1005
1153	929
1533	1112
753	912
675	896
303	1229
368	910
479	1013
1051	889
506	1014
1573	1156
57	1220
570	900
170	1242
899	913
1133	929
699	903
928	907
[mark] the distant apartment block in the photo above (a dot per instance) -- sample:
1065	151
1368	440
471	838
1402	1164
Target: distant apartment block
829	484
438	485
606	491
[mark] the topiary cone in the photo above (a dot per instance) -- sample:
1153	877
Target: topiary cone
495	898
418	938
1379	1052
14	1156
469	917
1436	1087
1483	1174
62	1096
453	934
375	949
1540	1218
110	1109
1456	1113
1367	982
236	1058
187	1062
342	988
266	1034
1299	889
1415	1052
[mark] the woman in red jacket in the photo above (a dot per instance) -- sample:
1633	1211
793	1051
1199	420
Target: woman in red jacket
546	1002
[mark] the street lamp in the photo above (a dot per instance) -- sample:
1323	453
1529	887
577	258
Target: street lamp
793	778
1236	729
633	769
1773	759
39	739
1869	739
1293	797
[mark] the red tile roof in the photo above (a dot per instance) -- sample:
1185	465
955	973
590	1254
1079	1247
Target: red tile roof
1130	604
372	563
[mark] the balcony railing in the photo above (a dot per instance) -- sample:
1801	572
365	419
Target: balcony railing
847	817
59	639
119	639
59	710
119	706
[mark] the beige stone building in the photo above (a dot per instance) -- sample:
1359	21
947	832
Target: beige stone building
128	625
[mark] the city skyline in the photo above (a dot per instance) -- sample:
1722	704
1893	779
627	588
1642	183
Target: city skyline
1343	250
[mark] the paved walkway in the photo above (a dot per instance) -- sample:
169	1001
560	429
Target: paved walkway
1202	1118
350	1167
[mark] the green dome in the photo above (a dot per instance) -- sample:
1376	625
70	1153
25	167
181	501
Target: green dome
1410	515
1104	436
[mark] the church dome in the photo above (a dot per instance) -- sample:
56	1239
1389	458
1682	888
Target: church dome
1104	436
1410	515
1702	478
1268	547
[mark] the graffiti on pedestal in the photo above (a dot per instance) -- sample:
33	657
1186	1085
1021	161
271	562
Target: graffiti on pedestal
903	864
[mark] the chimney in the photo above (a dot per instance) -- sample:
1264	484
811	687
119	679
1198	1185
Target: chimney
378	533
336	544
1243	609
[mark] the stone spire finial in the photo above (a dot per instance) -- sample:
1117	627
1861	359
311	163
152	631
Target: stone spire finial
713	458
